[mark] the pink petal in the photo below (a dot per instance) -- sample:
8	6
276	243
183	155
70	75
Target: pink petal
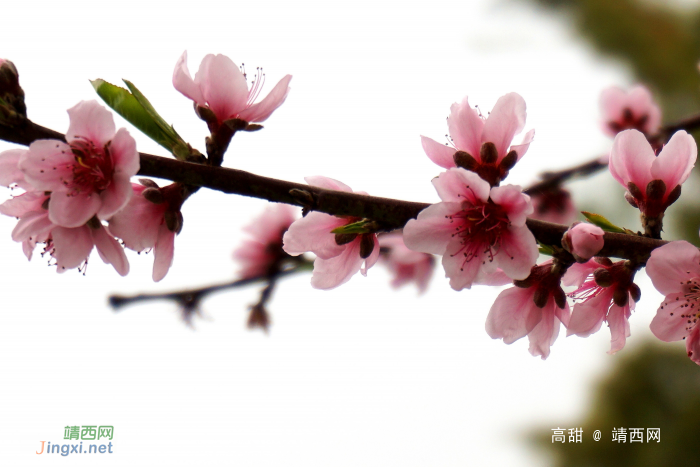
124	154
495	278
441	154
91	121
32	226
313	233
183	82
116	196
613	101
164	253
545	333
47	163
138	223
513	315
465	126
110	250
432	230
223	86
71	246
459	185
23	204
73	211
672	264
10	173
262	110
516	204
578	272
330	273
522	148
676	161
518	252
505	121
618	320
588	316
670	323
631	159
641	102
692	345
327	183
463	273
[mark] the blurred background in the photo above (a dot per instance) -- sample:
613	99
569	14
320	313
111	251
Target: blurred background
361	375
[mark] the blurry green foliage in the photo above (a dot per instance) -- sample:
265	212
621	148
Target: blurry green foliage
656	386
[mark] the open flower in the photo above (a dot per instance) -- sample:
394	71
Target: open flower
264	249
338	255
406	265
623	110
605	293
222	88
151	220
483	145
653	183
476	228
90	175
674	269
534	308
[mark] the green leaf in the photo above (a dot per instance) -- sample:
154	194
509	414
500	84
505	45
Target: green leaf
359	227
545	249
138	111
603	223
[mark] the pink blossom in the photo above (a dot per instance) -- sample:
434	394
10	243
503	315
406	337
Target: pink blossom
583	240
70	247
535	309
406	265
653	183
264	249
88	176
10	174
143	223
476	229
483	145
674	269
338	256
605	293
553	205
220	86
635	109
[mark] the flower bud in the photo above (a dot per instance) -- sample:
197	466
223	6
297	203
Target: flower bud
583	240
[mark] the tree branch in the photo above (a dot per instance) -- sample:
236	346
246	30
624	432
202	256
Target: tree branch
389	213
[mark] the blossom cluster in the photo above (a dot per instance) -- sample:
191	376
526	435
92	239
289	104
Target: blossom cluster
78	194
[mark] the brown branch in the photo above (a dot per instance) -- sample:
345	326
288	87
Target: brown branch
389	213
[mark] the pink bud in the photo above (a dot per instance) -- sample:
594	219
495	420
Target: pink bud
583	240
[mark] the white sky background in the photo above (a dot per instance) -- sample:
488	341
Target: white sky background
362	375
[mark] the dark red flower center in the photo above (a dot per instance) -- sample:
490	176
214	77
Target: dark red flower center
93	168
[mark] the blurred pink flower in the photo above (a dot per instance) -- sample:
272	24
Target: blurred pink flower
221	87
534	309
476	229
338	256
553	205
674	269
406	265
623	110
485	141
88	176
264	249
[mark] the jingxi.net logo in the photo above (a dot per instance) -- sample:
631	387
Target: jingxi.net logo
95	435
